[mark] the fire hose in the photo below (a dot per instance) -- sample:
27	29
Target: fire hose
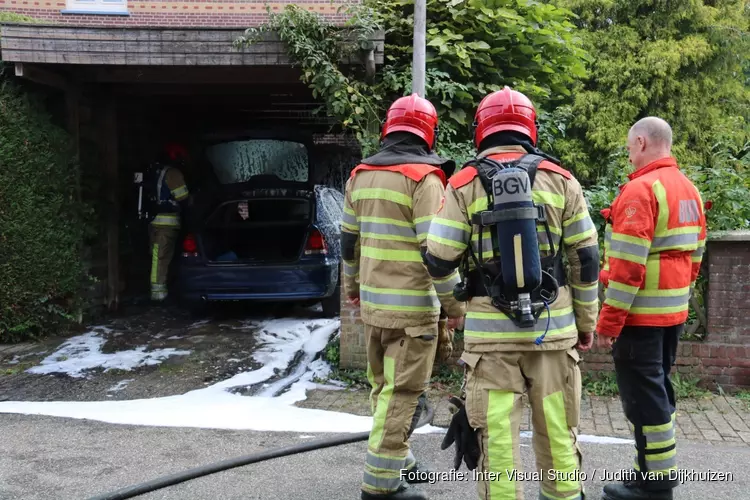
212	468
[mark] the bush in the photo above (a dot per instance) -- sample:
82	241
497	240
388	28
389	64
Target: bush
41	221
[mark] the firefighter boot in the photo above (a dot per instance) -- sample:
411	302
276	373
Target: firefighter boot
633	491
404	492
417	474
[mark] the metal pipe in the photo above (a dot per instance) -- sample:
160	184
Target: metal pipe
420	47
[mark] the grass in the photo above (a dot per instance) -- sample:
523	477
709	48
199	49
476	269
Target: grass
687	387
744	396
604	384
16	369
448	379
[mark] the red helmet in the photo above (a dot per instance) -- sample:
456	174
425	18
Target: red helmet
412	114
175	151
505	110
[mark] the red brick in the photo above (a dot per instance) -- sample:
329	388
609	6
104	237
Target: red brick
717	362
718	352
713	370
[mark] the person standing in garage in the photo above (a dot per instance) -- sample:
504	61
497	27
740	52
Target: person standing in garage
390	200
171	193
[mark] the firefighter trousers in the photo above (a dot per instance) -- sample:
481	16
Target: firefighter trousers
495	383
163	239
643	358
399	366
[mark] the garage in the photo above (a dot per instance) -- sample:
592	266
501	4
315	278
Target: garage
262	158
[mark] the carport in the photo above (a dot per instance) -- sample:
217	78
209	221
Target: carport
124	91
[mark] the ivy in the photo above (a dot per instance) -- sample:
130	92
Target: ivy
317	47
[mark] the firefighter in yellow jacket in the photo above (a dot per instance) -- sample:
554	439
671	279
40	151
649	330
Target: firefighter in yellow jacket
509	217
171	195
390	200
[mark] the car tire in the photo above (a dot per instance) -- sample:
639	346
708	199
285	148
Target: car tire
332	305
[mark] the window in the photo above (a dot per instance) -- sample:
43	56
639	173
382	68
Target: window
236	162
116	7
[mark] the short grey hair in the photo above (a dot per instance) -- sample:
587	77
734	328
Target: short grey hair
655	129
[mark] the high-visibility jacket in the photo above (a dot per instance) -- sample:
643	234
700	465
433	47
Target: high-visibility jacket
654	243
387	212
171	190
487	328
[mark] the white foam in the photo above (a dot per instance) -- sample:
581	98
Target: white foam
82	353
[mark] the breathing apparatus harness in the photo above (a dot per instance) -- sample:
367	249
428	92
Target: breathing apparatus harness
518	281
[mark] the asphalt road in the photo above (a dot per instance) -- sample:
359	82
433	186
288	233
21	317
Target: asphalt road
53	458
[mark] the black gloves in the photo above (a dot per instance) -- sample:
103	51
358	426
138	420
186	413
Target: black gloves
466	438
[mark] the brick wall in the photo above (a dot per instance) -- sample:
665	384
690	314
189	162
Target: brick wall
181	13
722	358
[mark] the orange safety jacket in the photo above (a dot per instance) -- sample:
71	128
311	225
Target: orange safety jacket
414	171
653	248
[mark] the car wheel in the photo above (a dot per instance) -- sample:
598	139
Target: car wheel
332	305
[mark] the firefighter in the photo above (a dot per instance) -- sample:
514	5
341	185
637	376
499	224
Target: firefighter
172	196
390	200
654	241
526	315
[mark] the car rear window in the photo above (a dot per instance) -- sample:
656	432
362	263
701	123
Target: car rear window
238	161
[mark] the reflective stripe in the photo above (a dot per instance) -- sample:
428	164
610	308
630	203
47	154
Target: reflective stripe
560	442
180	193
663	217
653	272
447	235
380	230
168	220
158	287
158	295
382	481
698	253
500	443
412	300
486	245
661	461
499	326
659	439
585	295
382	194
349	220
444	286
350	269
578	228
384	400
637	250
619	298
392	255
544	241
657	302
423	226
552	199
154	263
676	242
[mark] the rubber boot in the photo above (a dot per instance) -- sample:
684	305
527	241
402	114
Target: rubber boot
633	491
404	492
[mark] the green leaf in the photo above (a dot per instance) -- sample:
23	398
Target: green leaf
458	115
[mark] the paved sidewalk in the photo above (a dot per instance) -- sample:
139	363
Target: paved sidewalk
718	419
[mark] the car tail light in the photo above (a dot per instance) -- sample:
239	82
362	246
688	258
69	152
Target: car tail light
189	246
316	245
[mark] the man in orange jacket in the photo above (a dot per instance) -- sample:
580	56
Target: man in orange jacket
654	242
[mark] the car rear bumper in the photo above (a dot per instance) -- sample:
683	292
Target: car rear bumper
216	282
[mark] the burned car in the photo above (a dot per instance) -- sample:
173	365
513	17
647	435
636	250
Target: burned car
261	229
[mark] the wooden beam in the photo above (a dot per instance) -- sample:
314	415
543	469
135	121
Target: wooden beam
193	75
40	75
109	157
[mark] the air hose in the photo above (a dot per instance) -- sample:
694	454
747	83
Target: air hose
205	470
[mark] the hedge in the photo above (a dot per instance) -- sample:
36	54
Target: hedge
42	220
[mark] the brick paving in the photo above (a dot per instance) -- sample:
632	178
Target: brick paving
717	419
